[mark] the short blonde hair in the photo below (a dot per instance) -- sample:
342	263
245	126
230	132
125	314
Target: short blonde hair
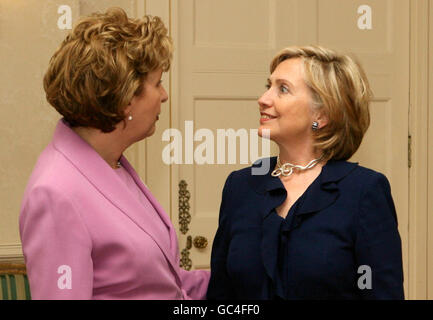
102	64
341	91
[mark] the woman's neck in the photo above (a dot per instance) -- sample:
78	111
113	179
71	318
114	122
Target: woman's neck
298	155
108	145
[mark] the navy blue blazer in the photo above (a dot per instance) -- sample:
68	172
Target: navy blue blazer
339	240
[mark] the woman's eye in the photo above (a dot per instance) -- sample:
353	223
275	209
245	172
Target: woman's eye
267	86
284	89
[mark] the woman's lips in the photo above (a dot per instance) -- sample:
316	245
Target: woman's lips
266	117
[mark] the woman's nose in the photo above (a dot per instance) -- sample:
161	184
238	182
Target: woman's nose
265	100
164	96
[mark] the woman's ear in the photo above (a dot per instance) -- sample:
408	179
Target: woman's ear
322	119
127	109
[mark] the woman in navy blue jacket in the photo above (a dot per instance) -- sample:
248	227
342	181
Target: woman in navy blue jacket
316	226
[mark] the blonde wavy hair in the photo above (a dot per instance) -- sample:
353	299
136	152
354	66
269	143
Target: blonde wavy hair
340	90
102	64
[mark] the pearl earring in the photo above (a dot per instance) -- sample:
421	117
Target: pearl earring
130	118
315	125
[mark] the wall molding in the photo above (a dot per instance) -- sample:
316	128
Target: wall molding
11	252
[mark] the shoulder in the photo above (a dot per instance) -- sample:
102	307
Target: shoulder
353	172
254	176
54	174
372	180
248	180
370	187
260	168
237	177
52	196
368	174
234	183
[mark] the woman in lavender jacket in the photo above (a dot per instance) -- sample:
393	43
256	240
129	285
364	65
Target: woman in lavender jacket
90	228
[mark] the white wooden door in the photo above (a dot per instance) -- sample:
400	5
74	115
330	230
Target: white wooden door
223	50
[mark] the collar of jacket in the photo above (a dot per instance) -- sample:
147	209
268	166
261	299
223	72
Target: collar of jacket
91	165
322	192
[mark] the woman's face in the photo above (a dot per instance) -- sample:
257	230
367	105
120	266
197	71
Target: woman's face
285	108
146	107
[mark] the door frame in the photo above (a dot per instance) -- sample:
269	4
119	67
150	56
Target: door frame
418	229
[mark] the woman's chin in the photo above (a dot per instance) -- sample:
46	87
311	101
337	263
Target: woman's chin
147	134
264	132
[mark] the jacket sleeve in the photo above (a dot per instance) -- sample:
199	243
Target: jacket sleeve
220	284
195	283
378	244
56	246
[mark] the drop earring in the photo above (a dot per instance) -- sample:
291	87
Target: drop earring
315	125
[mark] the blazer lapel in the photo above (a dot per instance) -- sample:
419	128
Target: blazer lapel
158	208
323	192
273	195
105	180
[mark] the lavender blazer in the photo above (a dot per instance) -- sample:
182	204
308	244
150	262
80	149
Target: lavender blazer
86	237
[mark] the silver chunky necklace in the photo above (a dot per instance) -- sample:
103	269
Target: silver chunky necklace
287	168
